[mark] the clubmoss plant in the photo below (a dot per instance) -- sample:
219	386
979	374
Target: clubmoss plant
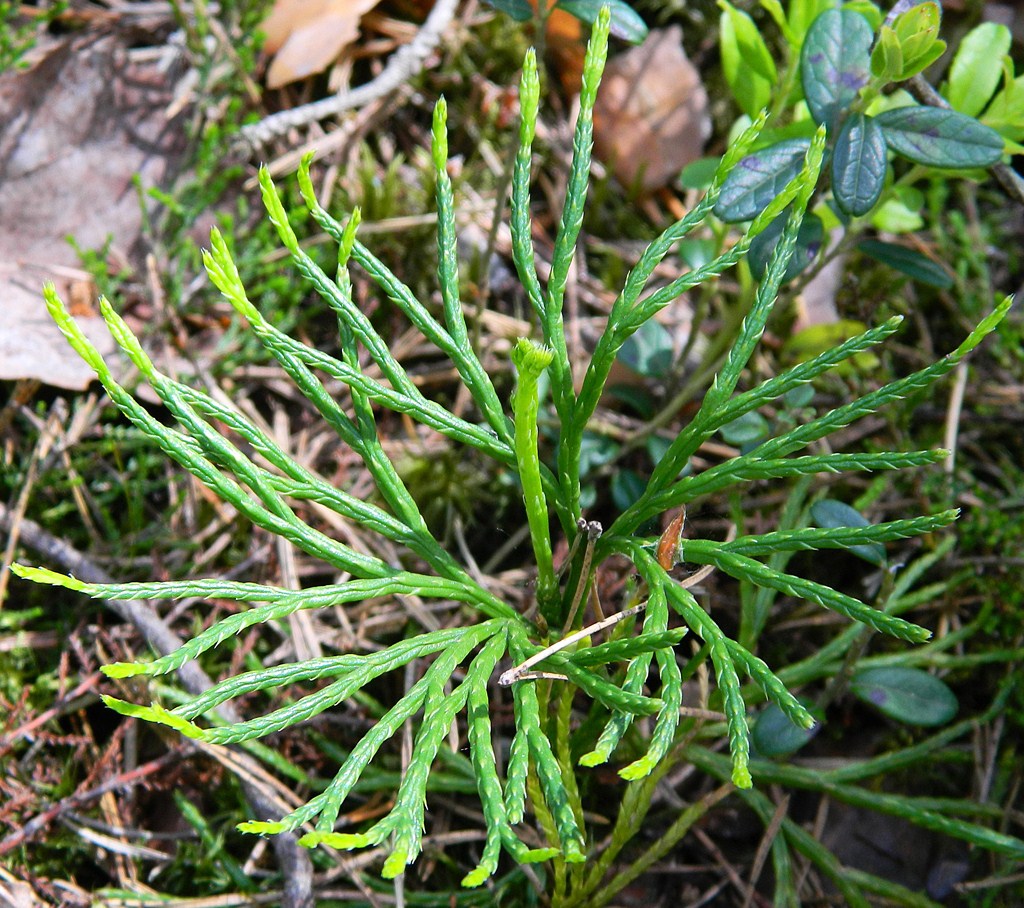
240	463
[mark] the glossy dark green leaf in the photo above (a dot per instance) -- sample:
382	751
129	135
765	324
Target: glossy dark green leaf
626	22
940	138
909	261
627	486
858	165
595	451
774	735
648	350
758	178
808	244
835	63
908	695
637	397
520	10
747	429
829	513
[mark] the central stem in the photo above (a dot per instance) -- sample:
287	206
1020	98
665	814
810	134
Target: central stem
531	360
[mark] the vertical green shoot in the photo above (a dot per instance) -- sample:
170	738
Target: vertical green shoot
521	224
530	361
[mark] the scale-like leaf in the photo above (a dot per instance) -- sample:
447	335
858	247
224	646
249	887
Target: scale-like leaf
835	63
858	165
758	178
940	138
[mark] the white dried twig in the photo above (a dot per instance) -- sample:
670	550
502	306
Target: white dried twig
403	65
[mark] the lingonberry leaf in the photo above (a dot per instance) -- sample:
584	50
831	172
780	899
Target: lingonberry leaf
746	62
908	695
625	22
940	138
520	10
977	67
758	178
835	63
775	735
909	261
858	165
830	514
808	245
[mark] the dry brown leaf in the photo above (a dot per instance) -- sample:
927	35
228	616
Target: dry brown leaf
307	36
78	127
566	48
651	117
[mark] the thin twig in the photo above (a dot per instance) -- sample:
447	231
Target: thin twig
696	577
765	847
953	413
593	531
581	525
47	439
405	63
80	798
522	672
517	673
